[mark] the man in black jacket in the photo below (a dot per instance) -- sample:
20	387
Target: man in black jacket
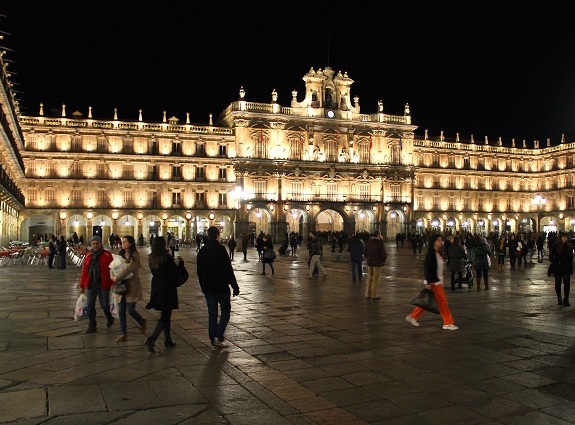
216	275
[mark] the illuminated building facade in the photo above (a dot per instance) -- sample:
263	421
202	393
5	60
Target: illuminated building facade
318	164
11	162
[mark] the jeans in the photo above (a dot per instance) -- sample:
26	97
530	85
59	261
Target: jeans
104	296
566	281
356	269
131	308
216	329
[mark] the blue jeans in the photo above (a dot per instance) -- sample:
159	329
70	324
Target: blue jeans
131	308
216	329
356	269
104	296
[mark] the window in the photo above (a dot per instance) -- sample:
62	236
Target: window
177	172
466	163
176	148
200	173
76	195
176	198
76	169
128	197
364	193
128	171
260	146
396	192
571	202
296	148
102	197
200	149
49	195
200	200
33	195
330	147
222	199
102	144
261	189
332	191
222	175
296	190
223	150
101	170
364	152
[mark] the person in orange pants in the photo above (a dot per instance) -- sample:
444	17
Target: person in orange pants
433	268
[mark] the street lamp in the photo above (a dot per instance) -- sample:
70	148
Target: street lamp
538	201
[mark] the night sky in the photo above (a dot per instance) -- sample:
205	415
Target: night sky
477	71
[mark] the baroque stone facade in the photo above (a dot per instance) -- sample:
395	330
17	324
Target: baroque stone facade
318	164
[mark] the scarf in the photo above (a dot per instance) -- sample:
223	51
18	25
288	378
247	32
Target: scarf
94	269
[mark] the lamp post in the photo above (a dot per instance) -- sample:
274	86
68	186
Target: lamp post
189	227
63	215
538	201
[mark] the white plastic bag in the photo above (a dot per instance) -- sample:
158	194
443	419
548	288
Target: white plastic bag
81	307
114	308
118	265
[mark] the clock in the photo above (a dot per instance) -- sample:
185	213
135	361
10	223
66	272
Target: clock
330	114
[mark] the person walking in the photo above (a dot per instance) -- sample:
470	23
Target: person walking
127	300
259	245
375	255
268	254
245	244
216	275
513	252
500	250
540	243
315	256
95	282
456	257
480	257
356	250
293	243
172	243
561	257
433	269
232	246
164	291
51	251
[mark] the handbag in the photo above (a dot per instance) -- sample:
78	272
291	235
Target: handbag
426	300
182	275
269	254
120	288
489	261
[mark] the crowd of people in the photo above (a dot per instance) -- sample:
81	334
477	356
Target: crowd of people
453	253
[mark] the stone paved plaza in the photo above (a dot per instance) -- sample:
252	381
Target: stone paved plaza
301	352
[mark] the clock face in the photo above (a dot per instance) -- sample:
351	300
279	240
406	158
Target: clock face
330	114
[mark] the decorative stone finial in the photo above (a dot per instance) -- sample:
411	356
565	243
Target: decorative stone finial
274	96
115	114
41	109
242	93
211	119
140	115
562	138
164	118
406	110
187	118
90	112
472	141
63	110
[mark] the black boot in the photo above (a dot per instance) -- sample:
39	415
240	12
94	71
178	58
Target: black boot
168	336
151	340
